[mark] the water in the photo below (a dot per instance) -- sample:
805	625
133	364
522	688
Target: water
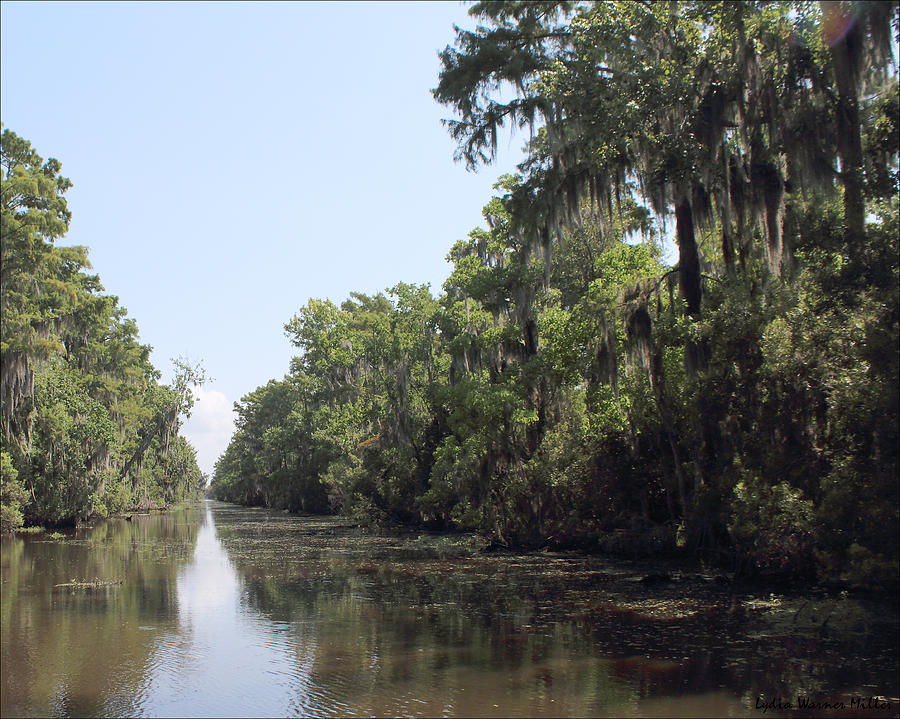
224	611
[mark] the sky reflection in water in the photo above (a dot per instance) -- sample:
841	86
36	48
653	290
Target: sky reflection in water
225	611
223	658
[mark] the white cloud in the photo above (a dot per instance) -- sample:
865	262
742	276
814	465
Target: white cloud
210	426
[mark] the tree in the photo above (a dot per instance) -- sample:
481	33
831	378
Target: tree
568	388
703	105
33	213
81	404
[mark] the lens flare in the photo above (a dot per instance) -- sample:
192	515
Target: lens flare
837	21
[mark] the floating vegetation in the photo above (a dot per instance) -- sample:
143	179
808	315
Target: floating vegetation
832	617
96	584
654	610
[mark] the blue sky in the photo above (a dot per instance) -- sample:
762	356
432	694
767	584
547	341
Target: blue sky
232	160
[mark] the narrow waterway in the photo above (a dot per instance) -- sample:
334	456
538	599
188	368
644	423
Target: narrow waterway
224	611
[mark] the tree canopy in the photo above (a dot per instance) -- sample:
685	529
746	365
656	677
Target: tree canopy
568	387
85	425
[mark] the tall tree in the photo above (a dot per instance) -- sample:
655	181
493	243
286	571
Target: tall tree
81	406
704	105
858	36
33	213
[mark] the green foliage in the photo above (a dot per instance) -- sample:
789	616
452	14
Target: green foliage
72	431
567	388
772	524
85	424
12	495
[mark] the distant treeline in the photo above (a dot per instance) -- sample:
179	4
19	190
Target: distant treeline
569	388
86	428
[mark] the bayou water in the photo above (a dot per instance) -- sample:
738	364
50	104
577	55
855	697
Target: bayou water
218	610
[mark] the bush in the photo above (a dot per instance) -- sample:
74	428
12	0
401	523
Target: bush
772	525
12	495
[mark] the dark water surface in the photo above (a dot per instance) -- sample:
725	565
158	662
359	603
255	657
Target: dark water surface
224	611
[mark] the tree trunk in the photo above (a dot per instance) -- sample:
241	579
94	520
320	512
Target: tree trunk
849	140
658	387
688	257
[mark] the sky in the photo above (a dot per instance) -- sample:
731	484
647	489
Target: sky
231	161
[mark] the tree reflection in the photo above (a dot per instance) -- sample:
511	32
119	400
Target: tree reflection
544	635
229	611
82	651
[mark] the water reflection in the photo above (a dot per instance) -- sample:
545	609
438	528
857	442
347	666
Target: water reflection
224	658
81	651
224	611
